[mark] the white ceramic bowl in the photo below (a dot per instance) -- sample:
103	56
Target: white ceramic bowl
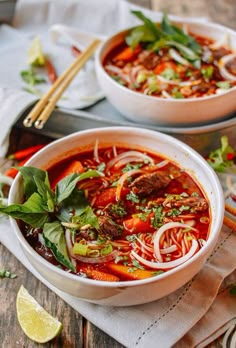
126	293
146	109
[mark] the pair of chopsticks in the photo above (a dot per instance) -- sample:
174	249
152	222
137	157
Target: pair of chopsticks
44	107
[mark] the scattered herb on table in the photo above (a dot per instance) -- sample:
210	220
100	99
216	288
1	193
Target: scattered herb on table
223	157
7	274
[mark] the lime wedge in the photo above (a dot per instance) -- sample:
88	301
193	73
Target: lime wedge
35	53
36	323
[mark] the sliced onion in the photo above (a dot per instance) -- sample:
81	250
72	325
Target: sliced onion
98	259
119	72
126	160
137	154
162	230
122	180
169	264
190	83
69	246
166	95
4	179
221	64
223	41
95	152
4	201
178	58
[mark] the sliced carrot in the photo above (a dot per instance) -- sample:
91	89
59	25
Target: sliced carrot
74	167
125	272
109	196
136	225
128	53
99	275
163	66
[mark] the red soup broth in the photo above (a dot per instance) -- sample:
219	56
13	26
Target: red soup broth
135	196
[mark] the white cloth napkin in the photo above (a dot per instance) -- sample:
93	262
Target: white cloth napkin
195	314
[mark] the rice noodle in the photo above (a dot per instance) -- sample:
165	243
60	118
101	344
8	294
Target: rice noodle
162	230
224	72
168	264
122	180
119	73
136	154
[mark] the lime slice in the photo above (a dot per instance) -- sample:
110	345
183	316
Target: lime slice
36	323
35	53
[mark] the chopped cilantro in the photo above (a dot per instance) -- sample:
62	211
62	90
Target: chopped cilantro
130	166
170	74
132	197
207	72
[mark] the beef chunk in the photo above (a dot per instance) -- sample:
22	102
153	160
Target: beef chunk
109	228
197	203
231	66
220	52
149	59
88	233
146	184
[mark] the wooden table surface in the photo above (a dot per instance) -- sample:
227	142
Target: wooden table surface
77	331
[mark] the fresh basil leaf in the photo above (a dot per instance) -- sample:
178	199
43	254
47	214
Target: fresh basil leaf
87	218
31	212
29	174
157	33
54	237
139	34
65	186
46	194
75	204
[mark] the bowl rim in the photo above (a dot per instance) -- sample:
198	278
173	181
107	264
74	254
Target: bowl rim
210	243
206	24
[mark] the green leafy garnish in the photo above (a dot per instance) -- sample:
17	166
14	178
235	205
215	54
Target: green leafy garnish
54	237
222	158
167	35
7	274
31	78
207	72
223	84
45	209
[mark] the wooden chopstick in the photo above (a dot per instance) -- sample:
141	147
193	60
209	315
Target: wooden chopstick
43	108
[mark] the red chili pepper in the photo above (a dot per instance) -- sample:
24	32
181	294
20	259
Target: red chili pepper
230	156
12	172
29	151
75	51
52	75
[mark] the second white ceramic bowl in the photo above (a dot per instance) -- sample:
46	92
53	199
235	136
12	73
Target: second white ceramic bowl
146	109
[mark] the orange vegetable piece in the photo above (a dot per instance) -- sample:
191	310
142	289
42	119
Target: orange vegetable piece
136	225
124	272
128	53
99	275
163	66
74	167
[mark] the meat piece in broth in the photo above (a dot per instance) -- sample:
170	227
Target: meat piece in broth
197	203
146	184
109	228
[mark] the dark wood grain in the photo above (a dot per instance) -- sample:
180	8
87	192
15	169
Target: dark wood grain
77	332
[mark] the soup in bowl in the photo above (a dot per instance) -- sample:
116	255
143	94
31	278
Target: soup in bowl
117	216
170	73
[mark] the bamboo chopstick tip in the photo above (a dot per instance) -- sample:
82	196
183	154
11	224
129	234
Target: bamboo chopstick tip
27	122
